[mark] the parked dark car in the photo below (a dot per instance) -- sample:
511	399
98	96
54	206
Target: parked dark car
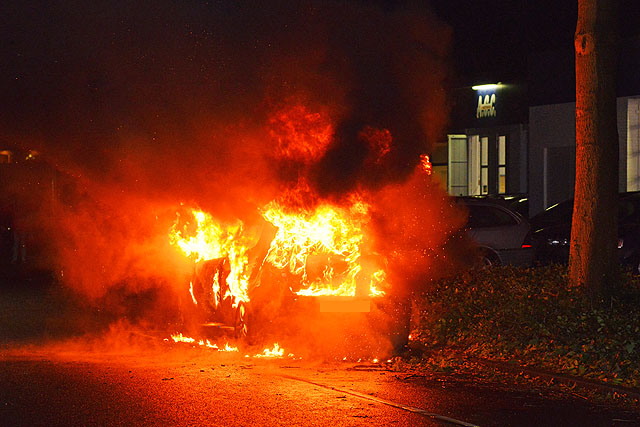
519	203
502	234
552	231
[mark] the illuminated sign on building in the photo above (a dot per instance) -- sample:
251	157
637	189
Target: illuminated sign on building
486	105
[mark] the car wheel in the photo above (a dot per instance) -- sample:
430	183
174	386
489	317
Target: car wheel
488	259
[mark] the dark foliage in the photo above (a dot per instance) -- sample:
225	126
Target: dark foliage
532	317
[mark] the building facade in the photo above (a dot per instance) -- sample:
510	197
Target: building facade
520	138
486	148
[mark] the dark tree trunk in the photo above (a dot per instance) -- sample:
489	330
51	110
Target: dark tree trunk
593	260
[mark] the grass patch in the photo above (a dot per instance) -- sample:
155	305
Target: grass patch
531	316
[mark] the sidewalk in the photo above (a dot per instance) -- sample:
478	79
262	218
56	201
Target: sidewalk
422	353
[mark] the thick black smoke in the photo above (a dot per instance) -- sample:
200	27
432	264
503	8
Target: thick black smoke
173	96
395	67
146	104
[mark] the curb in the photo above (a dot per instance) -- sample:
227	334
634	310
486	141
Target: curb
543	373
560	378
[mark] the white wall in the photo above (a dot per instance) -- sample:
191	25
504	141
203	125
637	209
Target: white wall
552	140
552	133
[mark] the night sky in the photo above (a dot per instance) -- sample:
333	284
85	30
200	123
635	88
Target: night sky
494	39
62	60
113	82
491	40
48	47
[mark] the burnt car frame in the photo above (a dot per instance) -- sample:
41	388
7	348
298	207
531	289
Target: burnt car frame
273	304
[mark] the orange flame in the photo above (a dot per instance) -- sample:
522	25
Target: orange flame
227	347
215	288
212	240
193	297
425	163
276	351
178	337
300	134
328	230
181	338
333	234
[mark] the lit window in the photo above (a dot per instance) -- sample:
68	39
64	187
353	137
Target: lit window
502	164
457	163
484	165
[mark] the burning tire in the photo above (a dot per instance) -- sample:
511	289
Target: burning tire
215	310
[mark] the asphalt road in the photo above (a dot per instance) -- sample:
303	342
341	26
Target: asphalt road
182	386
140	379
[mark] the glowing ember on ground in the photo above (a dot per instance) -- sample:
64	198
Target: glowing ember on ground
203	343
227	347
181	338
275	352
207	343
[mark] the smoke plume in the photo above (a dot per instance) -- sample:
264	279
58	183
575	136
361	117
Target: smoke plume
142	106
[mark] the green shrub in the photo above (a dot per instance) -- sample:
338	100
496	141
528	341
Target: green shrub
531	316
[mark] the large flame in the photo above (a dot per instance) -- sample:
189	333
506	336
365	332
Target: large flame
329	231
331	234
211	241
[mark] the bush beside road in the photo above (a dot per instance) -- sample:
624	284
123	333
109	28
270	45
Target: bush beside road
531	318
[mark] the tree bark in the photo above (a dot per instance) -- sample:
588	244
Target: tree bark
593	262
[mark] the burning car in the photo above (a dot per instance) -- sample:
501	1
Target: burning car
308	260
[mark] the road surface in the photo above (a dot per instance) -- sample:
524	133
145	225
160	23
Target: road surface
175	384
